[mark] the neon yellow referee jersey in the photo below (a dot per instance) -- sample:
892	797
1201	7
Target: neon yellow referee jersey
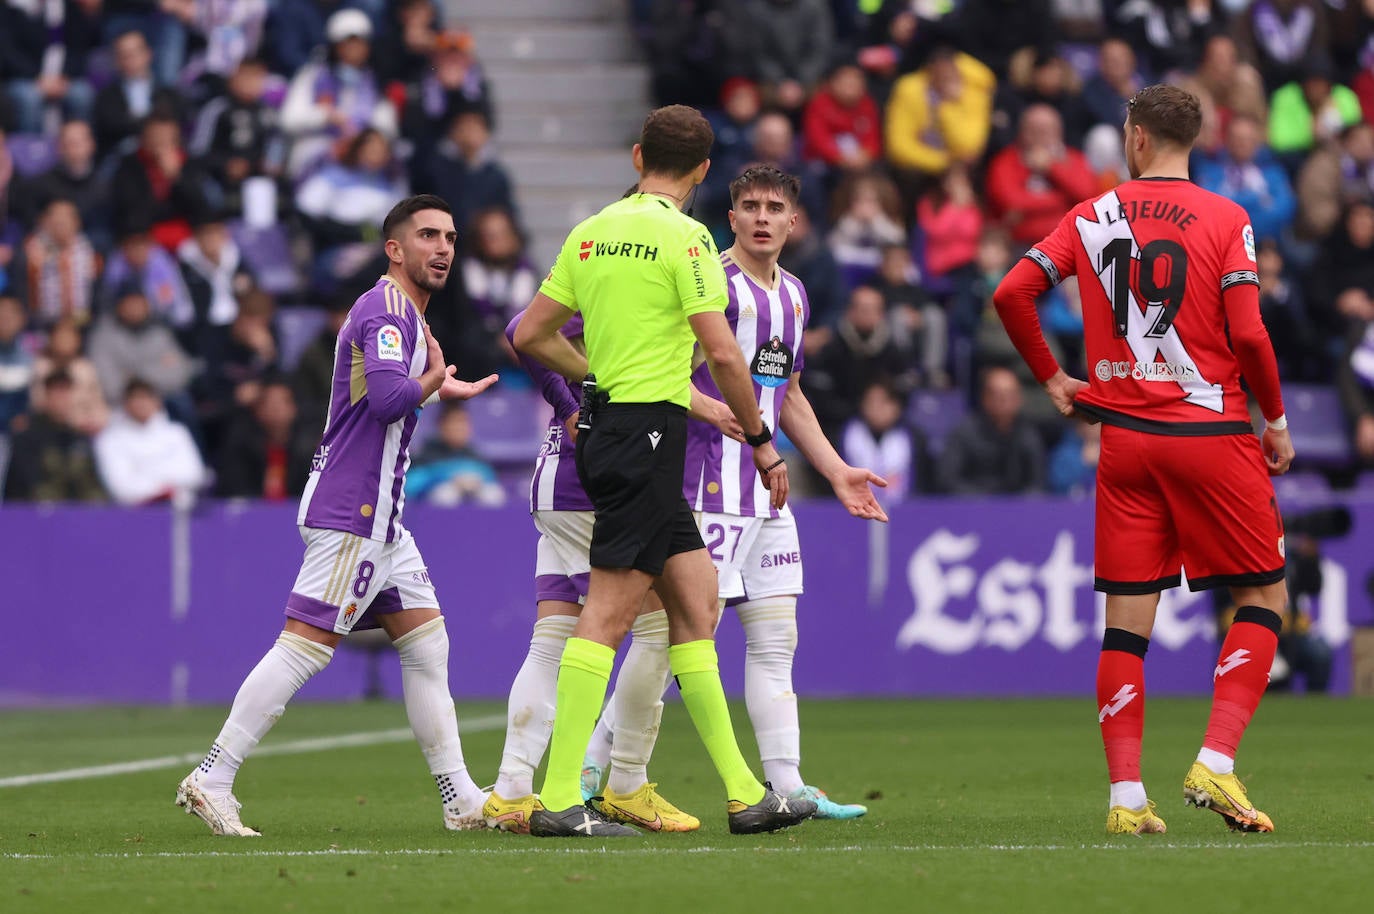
637	270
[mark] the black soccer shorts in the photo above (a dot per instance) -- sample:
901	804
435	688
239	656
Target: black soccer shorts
630	463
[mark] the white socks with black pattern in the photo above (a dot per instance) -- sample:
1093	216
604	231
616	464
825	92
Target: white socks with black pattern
433	720
259	704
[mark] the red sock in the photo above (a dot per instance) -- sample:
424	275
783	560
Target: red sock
1121	701
1241	676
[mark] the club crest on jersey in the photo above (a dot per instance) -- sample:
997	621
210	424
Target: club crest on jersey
772	365
389	343
1247	235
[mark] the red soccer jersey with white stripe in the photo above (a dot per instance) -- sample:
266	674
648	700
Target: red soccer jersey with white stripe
1152	258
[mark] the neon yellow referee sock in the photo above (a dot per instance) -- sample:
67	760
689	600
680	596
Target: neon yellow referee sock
583	675
698	679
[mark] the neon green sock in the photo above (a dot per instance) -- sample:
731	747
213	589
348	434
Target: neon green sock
698	679
582	678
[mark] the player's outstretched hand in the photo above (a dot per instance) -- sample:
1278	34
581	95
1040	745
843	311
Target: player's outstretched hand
1062	390
454	389
851	487
1278	450
766	456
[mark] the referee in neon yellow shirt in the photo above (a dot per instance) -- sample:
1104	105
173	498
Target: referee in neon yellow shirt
648	282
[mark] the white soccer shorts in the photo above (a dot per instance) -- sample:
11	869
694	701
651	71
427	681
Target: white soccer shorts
755	557
561	564
347	580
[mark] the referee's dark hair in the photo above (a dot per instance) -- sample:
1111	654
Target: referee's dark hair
766	177
675	140
400	213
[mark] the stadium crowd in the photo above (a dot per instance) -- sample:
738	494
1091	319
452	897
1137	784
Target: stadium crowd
182	180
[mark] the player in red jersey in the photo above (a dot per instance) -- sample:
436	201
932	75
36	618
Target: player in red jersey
1171	322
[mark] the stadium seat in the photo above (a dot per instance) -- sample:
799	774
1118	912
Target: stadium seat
936	413
268	252
508	425
1319	426
32	153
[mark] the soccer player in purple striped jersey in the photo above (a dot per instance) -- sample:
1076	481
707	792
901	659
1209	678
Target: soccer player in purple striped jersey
753	544
361	567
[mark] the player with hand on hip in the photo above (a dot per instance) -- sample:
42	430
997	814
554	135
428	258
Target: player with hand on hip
362	568
647	282
1171	322
753	544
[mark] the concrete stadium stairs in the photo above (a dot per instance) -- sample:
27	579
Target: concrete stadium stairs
570	92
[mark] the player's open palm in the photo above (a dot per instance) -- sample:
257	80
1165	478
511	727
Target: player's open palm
852	488
454	389
1278	450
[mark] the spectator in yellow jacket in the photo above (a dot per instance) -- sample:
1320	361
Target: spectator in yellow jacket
940	114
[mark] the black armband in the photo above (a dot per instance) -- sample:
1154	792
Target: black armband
760	439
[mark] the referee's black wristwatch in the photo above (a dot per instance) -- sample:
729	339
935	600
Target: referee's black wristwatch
760	439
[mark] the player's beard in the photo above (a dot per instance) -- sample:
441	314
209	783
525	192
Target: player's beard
424	280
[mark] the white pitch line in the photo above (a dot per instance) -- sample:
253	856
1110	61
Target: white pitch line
658	849
294	747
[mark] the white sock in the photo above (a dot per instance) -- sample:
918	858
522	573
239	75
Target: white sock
433	719
529	713
770	632
1220	764
599	749
1130	794
259	704
639	703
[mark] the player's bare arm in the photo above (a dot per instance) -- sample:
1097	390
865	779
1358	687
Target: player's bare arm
537	336
731	375
851	484
713	412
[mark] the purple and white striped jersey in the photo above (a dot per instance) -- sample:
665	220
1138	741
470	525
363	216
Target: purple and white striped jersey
358	474
768	324
554	485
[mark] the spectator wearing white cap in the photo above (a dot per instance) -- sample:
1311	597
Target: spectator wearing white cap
335	95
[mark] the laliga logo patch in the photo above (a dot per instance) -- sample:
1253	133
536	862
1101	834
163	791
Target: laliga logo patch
1247	236
389	343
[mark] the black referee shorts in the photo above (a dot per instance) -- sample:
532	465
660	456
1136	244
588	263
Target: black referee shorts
630	463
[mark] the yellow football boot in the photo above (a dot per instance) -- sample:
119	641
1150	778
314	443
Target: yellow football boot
1224	795
510	815
1143	821
646	809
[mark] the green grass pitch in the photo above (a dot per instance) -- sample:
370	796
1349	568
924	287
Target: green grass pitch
983	806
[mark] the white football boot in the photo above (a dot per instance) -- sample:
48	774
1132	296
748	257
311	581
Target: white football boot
221	812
